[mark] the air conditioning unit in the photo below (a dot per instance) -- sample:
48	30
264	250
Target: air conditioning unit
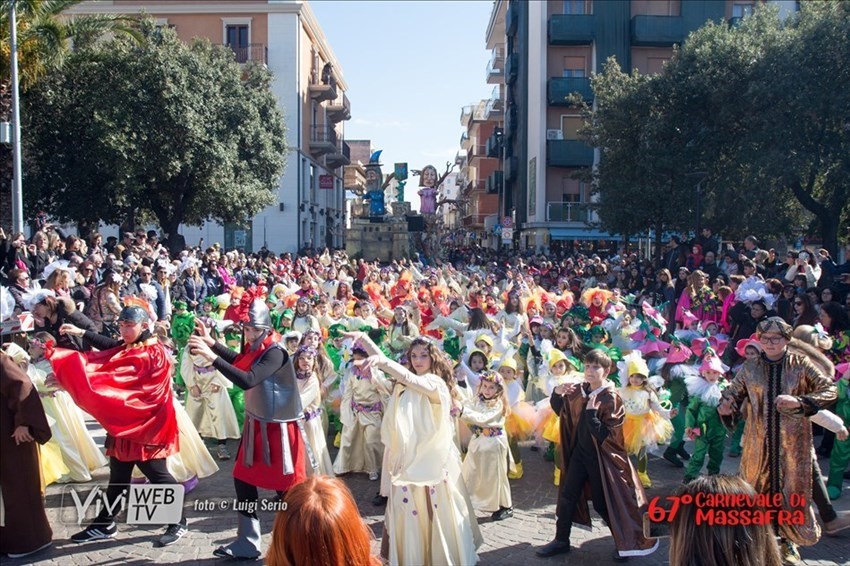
554	135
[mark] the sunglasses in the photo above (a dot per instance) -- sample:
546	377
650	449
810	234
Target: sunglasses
798	303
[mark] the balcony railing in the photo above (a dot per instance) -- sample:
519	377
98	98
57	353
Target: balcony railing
477	150
324	88
495	182
511	68
568	212
323	140
465	115
464	140
560	88
496	66
494	143
340	156
251	52
511	18
511	168
339	109
657	31
571	29
568	153
494	108
511	120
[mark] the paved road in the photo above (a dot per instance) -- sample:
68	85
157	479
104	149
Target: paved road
507	542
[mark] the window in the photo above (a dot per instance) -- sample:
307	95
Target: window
657	8
578	7
573	190
741	10
570	125
575	67
236	36
655	65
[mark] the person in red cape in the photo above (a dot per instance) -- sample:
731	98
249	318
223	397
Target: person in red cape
272	452
126	386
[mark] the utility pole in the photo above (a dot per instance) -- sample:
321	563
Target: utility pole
17	190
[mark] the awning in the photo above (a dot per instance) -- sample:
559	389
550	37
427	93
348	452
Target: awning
580	234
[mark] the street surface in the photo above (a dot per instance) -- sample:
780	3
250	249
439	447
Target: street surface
509	542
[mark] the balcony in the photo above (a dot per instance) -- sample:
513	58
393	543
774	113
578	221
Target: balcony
568	153
324	89
464	140
460	157
495	105
560	88
477	151
511	18
474	220
475	186
495	182
465	115
251	52
339	109
496	66
511	68
568	212
571	29
494	143
511	168
511	120
657	31
339	157
323	140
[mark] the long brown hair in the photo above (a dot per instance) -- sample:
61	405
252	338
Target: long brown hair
320	525
440	365
695	545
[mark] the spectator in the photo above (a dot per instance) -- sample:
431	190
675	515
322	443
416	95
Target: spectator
321	525
693	543
708	241
805	311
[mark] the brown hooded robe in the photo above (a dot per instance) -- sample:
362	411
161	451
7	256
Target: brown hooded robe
26	528
624	495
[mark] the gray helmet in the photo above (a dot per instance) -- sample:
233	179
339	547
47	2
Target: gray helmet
133	314
258	315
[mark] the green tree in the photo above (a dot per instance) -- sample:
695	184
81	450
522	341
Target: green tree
180	132
44	40
640	182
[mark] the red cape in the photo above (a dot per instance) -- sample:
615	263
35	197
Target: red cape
128	391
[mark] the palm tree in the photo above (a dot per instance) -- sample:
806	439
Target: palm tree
44	37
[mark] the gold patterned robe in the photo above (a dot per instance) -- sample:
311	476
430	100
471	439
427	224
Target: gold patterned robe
803	379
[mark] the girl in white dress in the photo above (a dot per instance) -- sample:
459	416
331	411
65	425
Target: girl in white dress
429	517
309	387
208	402
488	460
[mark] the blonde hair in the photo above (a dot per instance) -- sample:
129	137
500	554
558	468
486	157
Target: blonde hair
693	544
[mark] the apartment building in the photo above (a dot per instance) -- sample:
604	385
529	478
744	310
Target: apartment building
285	36
550	50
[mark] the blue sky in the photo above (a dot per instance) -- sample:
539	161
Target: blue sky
410	67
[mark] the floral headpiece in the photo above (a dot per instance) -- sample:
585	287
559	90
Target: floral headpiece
306	351
493	377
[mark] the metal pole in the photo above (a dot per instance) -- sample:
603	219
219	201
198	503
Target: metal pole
17	190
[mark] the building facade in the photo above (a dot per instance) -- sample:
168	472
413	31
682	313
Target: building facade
284	35
550	51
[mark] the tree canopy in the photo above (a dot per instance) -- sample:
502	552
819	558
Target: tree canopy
179	132
756	113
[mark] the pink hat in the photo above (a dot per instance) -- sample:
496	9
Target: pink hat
678	353
712	363
741	346
653	347
700	345
688	318
535	320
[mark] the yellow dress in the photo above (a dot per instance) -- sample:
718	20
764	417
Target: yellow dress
429	517
52	466
212	413
193	459
552	424
646	424
488	460
78	453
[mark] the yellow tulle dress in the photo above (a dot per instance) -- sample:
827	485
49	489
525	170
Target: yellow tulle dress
647	423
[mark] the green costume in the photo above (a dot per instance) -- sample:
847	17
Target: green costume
182	326
840	456
233	340
703	415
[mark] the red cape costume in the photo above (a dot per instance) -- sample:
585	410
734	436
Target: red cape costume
128	390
